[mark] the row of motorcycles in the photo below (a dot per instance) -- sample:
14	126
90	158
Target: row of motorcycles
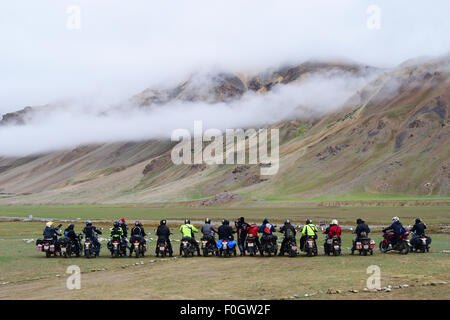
66	247
118	247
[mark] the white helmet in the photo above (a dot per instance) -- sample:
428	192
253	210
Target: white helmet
334	221
395	219
49	224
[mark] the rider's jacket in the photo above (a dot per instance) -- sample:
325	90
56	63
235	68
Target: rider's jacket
163	232
225	232
50	233
90	232
116	232
309	230
419	229
396	227
208	230
334	230
138	231
266	229
187	230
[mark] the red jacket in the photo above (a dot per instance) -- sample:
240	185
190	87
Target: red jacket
334	231
253	230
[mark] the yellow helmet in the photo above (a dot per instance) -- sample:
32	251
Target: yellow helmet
50	224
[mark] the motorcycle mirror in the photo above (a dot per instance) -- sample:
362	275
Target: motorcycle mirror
351	228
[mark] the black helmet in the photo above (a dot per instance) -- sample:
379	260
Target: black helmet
265	221
359	221
225	222
71	226
137	223
287	221
163	221
417	220
89	223
187	221
241	219
116	223
207	220
308	221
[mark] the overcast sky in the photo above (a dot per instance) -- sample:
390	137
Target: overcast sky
123	47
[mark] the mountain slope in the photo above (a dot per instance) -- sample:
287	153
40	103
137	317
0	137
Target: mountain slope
390	139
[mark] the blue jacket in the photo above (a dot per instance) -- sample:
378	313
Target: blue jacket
263	226
397	227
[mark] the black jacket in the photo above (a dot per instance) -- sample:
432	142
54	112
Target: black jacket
138	231
419	228
163	232
124	229
241	228
70	233
289	226
362	227
91	232
225	232
50	233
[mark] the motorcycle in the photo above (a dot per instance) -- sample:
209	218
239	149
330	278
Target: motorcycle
401	245
48	246
421	244
138	246
226	247
187	247
117	247
365	245
310	247
334	246
208	246
270	246
250	245
68	247
162	246
89	248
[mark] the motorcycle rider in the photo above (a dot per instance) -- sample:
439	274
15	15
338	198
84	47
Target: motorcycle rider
163	233
91	232
123	225
187	230
361	227
209	231
241	227
397	228
333	230
289	235
69	232
419	231
309	230
50	232
267	229
226	233
253	230
117	232
137	233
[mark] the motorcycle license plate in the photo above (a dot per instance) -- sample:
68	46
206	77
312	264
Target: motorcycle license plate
310	243
330	241
45	248
63	249
358	245
294	247
225	245
87	245
185	244
161	248
366	246
250	244
336	247
424	241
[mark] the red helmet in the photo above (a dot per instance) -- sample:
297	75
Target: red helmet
123	219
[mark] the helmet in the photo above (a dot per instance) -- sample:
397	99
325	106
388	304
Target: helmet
334	221
308	221
287	221
50	224
71	226
137	223
187	221
207	220
89	223
359	221
265	221
241	219
395	219
225	222
417	220
163	221
116	223
123	220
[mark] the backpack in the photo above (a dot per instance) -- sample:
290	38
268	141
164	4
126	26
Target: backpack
268	228
289	233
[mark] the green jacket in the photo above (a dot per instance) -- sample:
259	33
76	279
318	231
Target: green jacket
187	230
309	229
116	232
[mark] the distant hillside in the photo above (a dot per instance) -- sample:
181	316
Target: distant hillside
391	139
